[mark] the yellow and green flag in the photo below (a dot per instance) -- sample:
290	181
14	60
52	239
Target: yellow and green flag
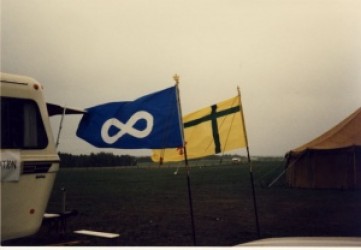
209	131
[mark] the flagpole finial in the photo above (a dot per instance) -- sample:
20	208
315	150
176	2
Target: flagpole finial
176	78
239	90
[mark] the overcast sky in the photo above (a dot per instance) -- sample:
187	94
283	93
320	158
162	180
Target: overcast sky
298	63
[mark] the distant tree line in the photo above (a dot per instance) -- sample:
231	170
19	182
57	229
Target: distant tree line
96	160
103	159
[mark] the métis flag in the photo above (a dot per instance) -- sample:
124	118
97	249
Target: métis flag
212	130
152	122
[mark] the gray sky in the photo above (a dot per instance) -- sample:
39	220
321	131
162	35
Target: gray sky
298	63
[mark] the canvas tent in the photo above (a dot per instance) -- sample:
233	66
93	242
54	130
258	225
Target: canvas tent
332	160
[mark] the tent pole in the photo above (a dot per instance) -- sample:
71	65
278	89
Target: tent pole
250	165
313	166
354	167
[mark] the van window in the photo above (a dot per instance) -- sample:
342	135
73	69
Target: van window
21	125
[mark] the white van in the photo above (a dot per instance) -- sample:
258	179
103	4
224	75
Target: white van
29	161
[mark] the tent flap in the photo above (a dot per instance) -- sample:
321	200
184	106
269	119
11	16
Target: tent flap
335	168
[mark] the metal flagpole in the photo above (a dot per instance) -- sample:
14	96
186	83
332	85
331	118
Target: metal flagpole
176	78
250	165
60	127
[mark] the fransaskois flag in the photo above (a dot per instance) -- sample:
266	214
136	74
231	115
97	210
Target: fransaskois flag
208	131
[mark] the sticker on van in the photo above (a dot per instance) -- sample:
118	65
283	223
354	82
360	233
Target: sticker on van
10	165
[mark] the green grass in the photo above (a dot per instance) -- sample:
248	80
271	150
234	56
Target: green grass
149	206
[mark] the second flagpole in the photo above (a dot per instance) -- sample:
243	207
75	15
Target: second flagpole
250	165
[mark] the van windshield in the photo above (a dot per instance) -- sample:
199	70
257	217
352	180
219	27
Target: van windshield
21	125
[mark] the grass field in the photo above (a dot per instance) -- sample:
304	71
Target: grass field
148	206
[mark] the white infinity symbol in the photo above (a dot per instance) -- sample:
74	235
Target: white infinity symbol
127	128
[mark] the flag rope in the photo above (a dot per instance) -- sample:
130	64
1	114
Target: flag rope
166	134
228	134
229	131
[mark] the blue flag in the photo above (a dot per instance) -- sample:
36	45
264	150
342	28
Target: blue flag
151	121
